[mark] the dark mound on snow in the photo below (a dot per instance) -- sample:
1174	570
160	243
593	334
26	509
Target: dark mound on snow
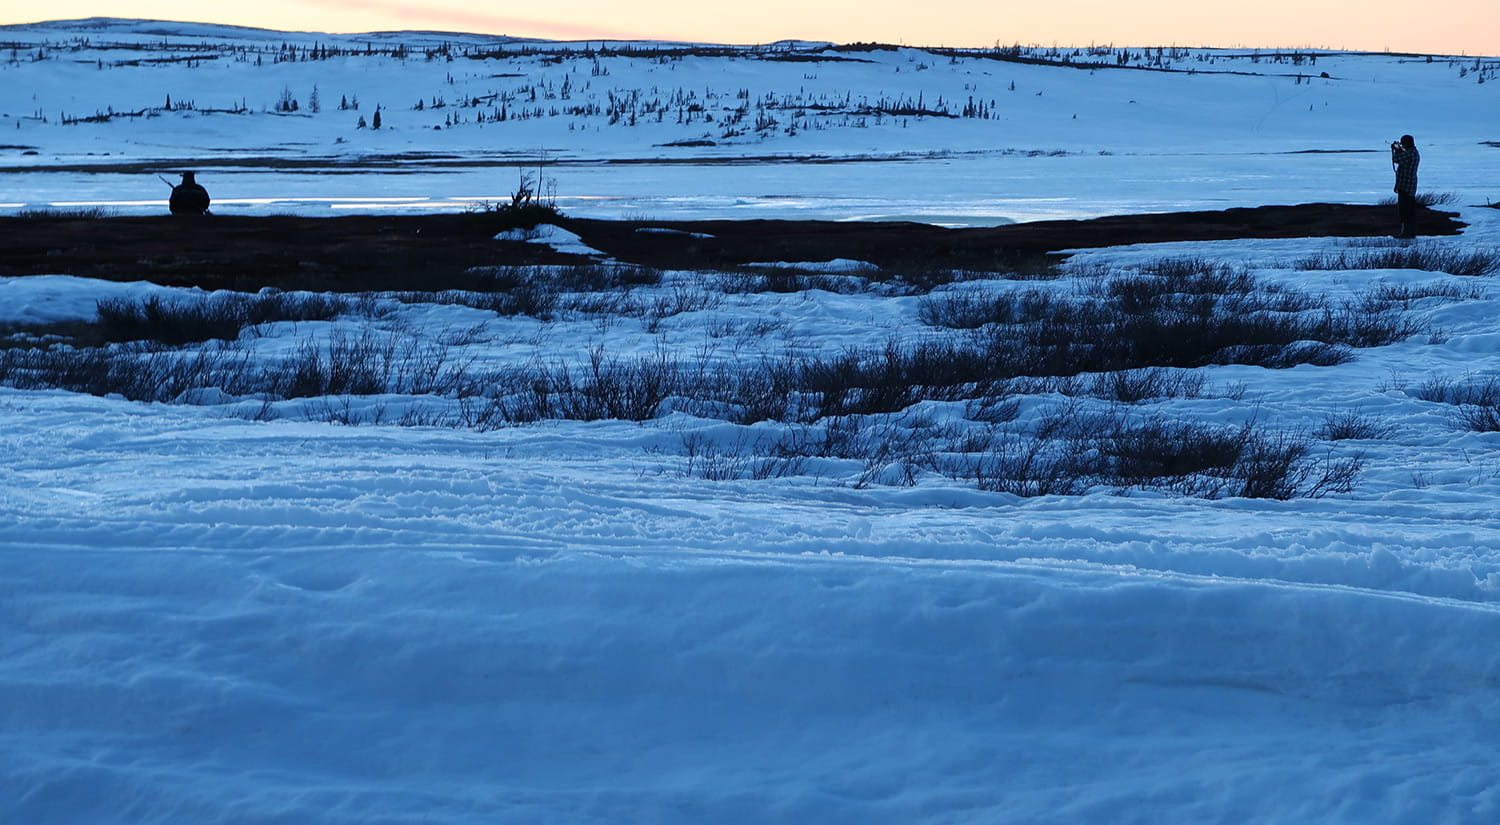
697	244
431	252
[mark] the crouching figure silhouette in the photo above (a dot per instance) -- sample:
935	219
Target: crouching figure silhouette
188	197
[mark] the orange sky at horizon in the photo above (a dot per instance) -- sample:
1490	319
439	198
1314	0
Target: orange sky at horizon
1439	26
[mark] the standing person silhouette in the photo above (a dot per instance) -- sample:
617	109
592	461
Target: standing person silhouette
188	197
1405	157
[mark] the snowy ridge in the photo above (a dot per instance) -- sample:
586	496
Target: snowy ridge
104	27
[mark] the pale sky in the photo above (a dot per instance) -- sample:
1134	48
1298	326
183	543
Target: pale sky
1442	26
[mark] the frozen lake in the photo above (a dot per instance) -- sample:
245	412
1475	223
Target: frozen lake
962	190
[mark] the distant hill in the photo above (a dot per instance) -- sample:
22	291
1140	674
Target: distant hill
131	27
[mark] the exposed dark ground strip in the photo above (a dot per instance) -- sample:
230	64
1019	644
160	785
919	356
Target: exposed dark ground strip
429	252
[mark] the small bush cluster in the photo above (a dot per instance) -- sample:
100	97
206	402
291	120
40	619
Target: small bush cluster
1135	386
1073	453
222	316
1170	316
1426	199
1407	294
899	277
1477	399
533	202
545	292
1427	258
1067	453
785	281
604	388
367	364
1125	339
75	213
1353	425
130	372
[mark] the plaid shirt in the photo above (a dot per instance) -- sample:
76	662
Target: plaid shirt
1406	161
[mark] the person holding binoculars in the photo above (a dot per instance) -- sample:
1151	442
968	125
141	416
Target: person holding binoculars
1404	157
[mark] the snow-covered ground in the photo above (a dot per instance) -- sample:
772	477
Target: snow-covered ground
620	132
229	610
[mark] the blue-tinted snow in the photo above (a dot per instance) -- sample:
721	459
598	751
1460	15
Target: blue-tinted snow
209	618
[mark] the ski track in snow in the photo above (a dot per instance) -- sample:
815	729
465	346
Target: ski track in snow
228	484
496	636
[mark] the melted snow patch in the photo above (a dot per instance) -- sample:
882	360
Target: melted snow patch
663	230
554	236
846	265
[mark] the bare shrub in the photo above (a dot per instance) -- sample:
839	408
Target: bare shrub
1134	386
1349	425
1405	295
970	309
1176	313
132	373
1188	267
1426	199
1370	321
770	391
1477	390
1194	286
785	280
543	291
676	302
992	407
1070	452
1423	257
341	366
221	316
1476	397
604	387
533	202
1020	466
1146	451
894	449
741	282
1281	467
744	458
1479	418
89	213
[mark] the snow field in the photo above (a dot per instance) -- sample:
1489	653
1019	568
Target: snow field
502	642
540	622
1223	128
210	618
